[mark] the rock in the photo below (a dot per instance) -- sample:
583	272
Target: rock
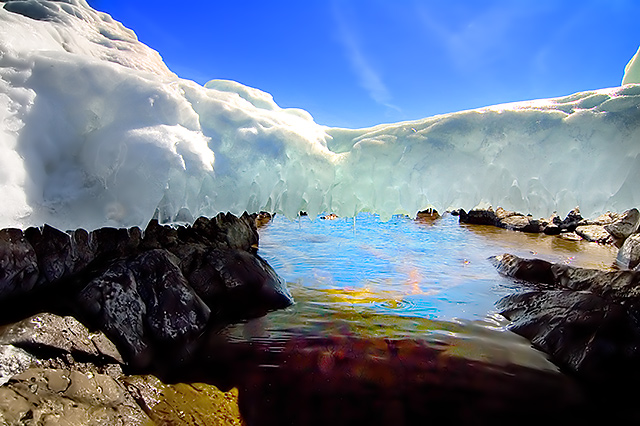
629	254
427	215
49	333
502	218
626	225
621	287
532	270
594	233
552	229
570	236
142	301
234	283
521	223
605	219
14	361
479	217
596	339
18	264
573	220
70	397
262	219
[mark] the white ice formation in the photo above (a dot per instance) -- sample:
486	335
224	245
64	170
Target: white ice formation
95	130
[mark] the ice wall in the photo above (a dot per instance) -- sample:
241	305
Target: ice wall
95	130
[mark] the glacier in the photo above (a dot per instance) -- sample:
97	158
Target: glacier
95	130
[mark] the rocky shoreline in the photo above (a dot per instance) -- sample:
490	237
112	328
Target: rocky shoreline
120	326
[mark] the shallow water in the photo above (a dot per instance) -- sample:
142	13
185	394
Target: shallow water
405	279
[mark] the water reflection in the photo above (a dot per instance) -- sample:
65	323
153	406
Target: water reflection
403	279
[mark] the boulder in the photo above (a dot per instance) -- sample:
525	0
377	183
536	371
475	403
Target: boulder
594	233
142	301
582	332
626	225
629	254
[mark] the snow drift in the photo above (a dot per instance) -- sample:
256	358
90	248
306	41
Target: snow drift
95	130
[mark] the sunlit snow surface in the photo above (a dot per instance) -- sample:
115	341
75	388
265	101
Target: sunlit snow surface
95	130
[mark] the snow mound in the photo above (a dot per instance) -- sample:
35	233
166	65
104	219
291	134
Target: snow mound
95	130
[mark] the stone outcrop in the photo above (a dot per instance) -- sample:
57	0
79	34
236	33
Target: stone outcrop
586	319
151	292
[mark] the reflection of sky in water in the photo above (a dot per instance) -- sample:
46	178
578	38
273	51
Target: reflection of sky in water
405	267
404	279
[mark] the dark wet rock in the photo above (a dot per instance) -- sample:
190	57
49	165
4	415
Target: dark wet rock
503	219
136	287
142	301
54	334
583	332
18	263
616	286
626	224
427	215
629	254
235	283
572	221
70	397
594	233
552	229
478	217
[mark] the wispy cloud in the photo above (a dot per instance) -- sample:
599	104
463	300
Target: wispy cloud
368	77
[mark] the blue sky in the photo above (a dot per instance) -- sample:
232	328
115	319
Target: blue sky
357	63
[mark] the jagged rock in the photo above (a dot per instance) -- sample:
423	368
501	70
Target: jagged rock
51	333
583	332
142	301
18	263
629	254
133	286
70	397
594	233
626	225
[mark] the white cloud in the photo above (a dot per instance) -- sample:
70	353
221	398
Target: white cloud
369	78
